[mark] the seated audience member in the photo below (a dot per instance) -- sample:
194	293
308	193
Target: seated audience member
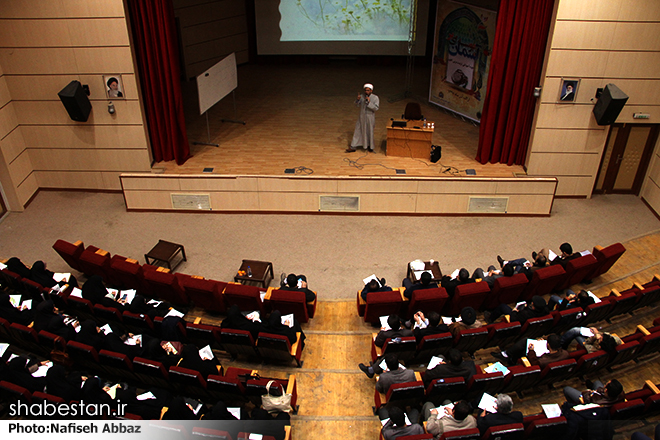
425	282
148	409
493	274
450	284
454	368
15	265
118	341
374	286
566	255
517	350
47	317
637	435
235	320
535	308
503	416
271	424
293	281
396	425
153	350
603	395
20	315
191	359
91	334
594	424
151	308
597	341
178	409
19	372
521	265
94	290
428	326
62	384
219	411
40	275
275	326
468	321
395	374
572	300
395	331
458	417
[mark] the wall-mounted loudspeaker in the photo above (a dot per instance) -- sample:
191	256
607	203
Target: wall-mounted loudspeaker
75	101
609	105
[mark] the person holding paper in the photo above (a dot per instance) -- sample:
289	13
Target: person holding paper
40	275
190	358
521	265
274	325
424	282
94	290
374	285
298	283
396	426
504	415
572	300
452	366
425	326
450	283
394	374
236	321
90	334
20	315
566	255
19	372
603	395
363	136
458	417
468	321
493	274
521	348
535	308
395	331
591	338
16	265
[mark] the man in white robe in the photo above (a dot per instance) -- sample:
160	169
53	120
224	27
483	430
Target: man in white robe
363	136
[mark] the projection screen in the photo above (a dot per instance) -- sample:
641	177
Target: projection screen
339	27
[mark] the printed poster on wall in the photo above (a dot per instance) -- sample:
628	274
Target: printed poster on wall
463	43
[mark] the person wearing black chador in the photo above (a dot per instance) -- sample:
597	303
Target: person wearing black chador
46	317
61	384
274	325
15	265
190	359
13	314
39	274
236	321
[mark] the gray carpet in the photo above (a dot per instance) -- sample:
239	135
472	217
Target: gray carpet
335	251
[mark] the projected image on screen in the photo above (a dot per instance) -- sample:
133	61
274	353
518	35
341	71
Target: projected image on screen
344	20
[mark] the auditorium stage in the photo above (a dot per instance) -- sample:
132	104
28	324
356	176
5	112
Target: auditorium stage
302	116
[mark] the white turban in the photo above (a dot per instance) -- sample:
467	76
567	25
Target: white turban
368	86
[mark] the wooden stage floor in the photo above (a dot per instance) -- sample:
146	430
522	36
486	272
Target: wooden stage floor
303	116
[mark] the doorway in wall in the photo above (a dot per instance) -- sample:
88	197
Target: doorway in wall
626	158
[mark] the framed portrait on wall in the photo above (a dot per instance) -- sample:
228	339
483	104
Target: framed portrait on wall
568	90
114	88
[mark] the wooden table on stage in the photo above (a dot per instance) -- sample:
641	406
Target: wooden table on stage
410	141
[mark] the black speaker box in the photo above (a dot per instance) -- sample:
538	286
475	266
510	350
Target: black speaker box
609	105
75	101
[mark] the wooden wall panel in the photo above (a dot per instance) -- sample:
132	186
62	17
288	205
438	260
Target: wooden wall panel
20	168
88	160
147	191
130	137
5	96
46	87
457	186
651	195
557	140
214	30
633	65
8	121
219	47
66	60
583	35
26	189
588	10
640	91
238	184
12	145
62	9
67	179
377	186
575	185
298	185
563	164
54	113
566	116
577	63
58	33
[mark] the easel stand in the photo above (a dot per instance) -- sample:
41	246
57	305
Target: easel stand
208	134
236	121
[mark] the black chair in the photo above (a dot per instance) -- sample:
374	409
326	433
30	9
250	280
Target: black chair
413	112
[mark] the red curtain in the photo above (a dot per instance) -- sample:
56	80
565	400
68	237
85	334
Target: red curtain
154	34
520	41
